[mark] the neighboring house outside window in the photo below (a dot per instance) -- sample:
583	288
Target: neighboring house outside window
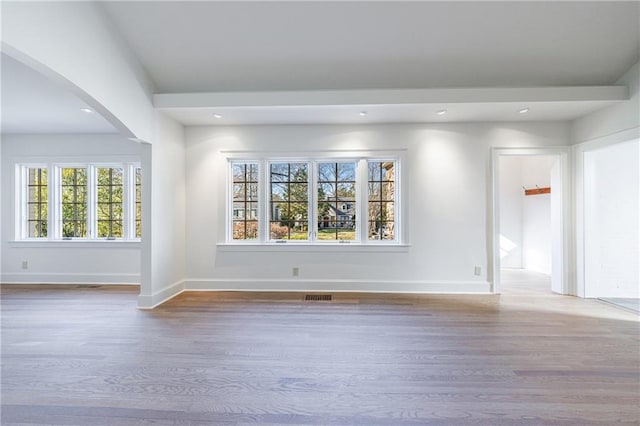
289	201
245	201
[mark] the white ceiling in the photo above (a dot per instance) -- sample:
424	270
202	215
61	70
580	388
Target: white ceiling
270	46
31	103
243	50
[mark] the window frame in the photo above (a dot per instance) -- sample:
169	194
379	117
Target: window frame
229	220
54	206
22	201
360	158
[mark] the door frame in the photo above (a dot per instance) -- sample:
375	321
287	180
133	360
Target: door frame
562	153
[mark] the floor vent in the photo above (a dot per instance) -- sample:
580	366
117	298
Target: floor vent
318	297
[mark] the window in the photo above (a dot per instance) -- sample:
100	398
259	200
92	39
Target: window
289	201
337	201
89	201
381	217
74	202
37	202
138	202
245	201
317	201
110	202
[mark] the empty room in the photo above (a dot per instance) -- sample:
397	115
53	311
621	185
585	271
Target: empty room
305	213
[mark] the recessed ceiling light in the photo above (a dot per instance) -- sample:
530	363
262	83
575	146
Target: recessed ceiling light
87	110
217	115
363	113
524	110
442	112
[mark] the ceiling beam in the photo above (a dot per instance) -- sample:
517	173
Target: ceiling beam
391	97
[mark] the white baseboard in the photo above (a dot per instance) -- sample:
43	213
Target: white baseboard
57	278
276	284
356	286
153	300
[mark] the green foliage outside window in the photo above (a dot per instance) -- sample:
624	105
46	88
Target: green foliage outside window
37	187
110	210
74	202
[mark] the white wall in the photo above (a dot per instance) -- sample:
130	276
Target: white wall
64	262
446	205
614	119
536	215
616	124
612	238
164	247
511	211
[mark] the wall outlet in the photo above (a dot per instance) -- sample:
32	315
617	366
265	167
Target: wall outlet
25	264
477	270
296	272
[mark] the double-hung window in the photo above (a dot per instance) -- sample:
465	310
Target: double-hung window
314	200
289	201
36	196
93	201
73	202
336	201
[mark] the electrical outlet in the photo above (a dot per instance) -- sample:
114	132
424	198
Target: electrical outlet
296	272
25	264
477	270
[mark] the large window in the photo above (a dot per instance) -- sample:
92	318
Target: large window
88	201
314	201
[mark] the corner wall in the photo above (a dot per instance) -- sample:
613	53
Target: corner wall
616	124
612	221
164	247
445	190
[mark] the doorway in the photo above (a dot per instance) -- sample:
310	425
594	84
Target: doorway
529	217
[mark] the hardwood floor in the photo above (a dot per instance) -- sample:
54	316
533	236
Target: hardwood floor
87	356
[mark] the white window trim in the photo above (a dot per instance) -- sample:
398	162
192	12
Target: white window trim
363	243
54	210
22	199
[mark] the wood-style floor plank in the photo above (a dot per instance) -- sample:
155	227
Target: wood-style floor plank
87	356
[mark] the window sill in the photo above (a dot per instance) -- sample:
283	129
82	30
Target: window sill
312	248
132	244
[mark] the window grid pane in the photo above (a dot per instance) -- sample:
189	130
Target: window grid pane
289	201
381	189
138	220
37	207
245	201
337	201
74	203
110	202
